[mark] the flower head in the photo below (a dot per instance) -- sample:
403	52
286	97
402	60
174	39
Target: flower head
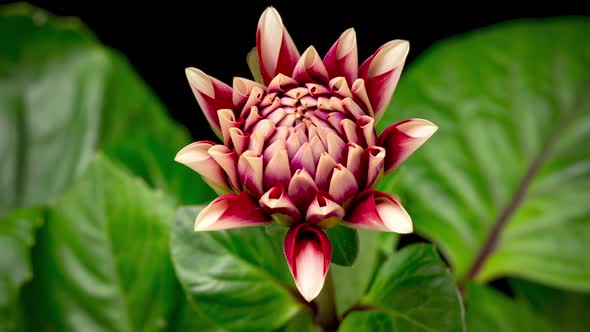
301	147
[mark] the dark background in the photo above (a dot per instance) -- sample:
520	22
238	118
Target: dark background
161	38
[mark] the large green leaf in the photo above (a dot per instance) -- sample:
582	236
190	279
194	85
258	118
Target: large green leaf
502	187
567	310
490	311
413	291
238	278
102	261
16	238
62	97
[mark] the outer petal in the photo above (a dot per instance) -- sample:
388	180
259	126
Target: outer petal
381	71
324	212
228	161
379	211
401	139
211	94
308	252
277	204
197	157
230	211
342	58
276	51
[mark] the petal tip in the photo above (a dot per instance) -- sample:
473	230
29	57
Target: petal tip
418	128
200	81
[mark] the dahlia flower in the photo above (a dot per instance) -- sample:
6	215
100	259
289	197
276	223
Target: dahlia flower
300	147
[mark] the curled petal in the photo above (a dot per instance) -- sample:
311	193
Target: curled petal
196	156
228	161
227	120
211	94
324	171
302	189
250	172
348	127
367	127
324	212
375	156
310	68
342	58
279	206
276	51
351	107
241	90
339	86
353	159
282	83
401	139
375	210
308	252
303	158
381	72
230	211
343	185
239	140
277	170
361	97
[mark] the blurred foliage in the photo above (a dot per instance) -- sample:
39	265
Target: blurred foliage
88	180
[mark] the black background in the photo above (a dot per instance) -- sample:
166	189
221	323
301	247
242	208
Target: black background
161	38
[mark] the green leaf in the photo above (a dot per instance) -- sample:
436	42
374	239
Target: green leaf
102	261
345	243
302	322
16	238
238	278
502	187
413	291
488	310
62	97
352	282
567	310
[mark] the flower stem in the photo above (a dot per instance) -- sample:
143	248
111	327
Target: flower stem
327	316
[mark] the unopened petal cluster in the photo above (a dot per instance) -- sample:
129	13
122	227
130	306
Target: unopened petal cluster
300	147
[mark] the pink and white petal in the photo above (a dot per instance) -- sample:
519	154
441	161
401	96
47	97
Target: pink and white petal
351	107
381	72
324	171
353	161
279	206
324	212
282	83
230	211
401	139
228	161
361	97
250	172
343	185
302	189
227	120
339	86
308	252
277	170
196	156
375	210
303	158
342	58
241	90
211	94
277	52
366	125
375	157
239	140
310	68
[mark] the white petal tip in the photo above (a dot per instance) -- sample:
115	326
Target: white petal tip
200	81
390	56
395	218
418	128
